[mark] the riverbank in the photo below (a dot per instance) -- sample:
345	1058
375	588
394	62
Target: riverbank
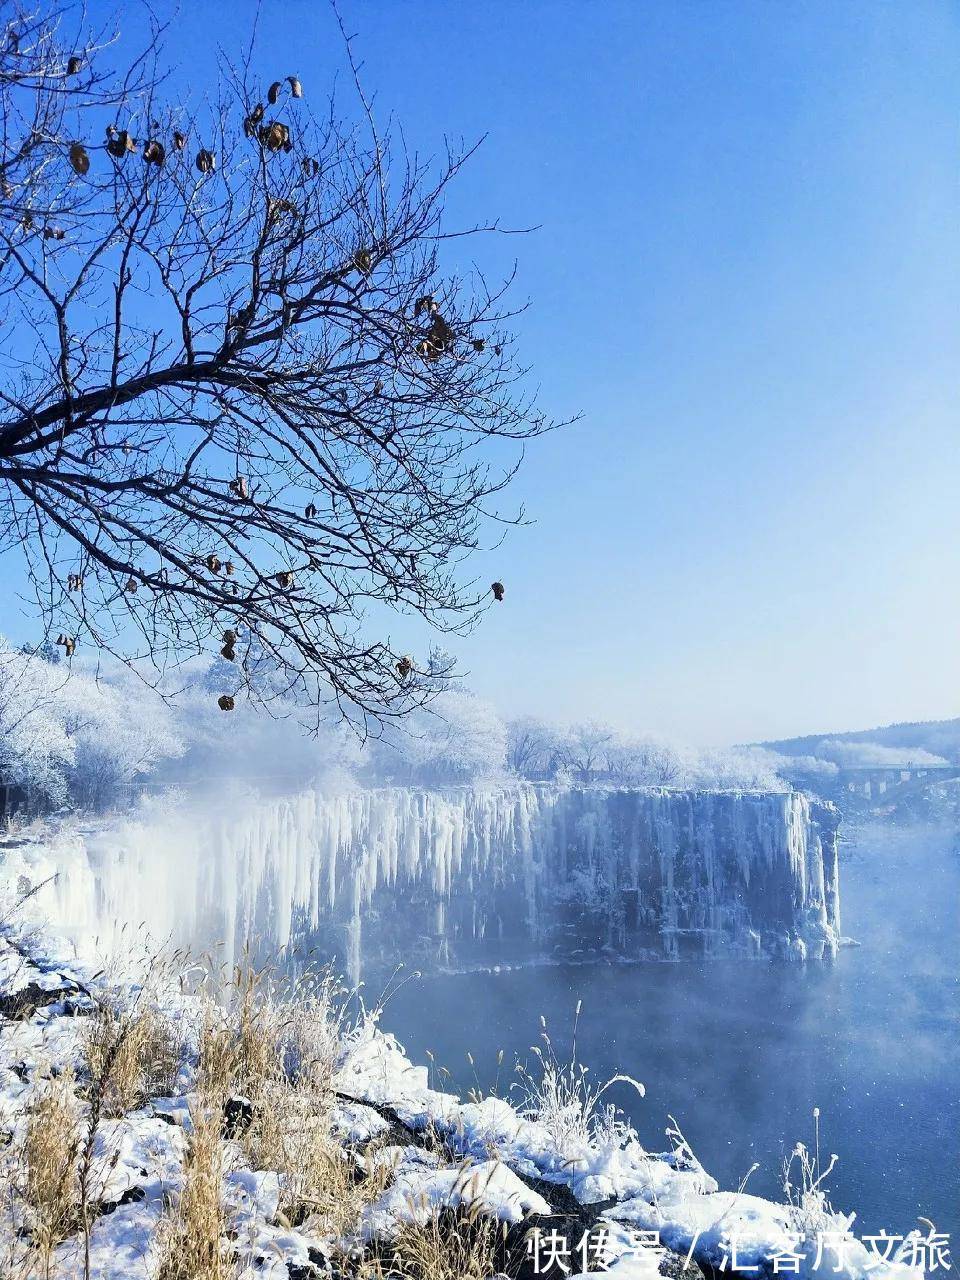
152	1131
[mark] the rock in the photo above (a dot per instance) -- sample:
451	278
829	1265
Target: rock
396	1134
319	1267
238	1116
676	1267
20	1005
132	1195
545	1247
560	1198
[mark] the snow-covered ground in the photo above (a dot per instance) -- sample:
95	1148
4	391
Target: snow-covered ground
525	1166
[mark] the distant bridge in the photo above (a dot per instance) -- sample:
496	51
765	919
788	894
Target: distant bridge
872	781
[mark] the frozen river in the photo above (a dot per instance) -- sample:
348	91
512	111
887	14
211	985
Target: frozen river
741	1053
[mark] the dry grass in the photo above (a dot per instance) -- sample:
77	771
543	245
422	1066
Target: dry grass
132	1049
276	1044
132	1055
49	1160
217	1059
453	1244
191	1238
804	1175
252	1050
259	1031
560	1096
321	1182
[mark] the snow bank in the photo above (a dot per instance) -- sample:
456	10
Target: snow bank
667	1193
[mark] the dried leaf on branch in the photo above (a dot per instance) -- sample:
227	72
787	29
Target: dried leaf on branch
120	143
275	136
79	158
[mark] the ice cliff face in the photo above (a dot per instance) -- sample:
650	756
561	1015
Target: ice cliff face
469	875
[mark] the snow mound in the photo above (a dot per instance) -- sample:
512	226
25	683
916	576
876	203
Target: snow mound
418	1192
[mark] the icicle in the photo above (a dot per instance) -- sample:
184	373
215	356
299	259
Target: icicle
714	869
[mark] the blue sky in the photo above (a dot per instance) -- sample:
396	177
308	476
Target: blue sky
747	279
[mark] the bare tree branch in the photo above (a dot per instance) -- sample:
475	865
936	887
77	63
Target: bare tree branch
239	396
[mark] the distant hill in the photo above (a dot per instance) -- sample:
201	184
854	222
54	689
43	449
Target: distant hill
939	737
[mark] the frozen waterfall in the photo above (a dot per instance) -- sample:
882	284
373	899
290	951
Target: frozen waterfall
465	875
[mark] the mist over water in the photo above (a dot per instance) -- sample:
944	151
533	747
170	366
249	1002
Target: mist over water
740	1053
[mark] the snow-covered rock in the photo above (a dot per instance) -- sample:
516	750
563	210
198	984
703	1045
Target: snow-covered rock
418	1191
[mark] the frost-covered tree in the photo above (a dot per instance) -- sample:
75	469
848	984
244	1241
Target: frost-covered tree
583	751
47	651
533	747
35	748
645	761
746	768
119	732
458	738
594	752
67	736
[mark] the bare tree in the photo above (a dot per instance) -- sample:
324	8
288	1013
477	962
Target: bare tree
241	402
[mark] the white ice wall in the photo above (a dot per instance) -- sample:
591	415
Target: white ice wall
726	864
